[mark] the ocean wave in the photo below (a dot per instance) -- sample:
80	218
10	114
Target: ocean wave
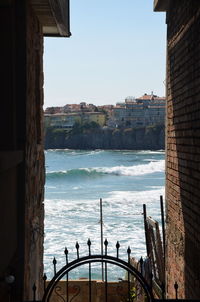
81	172
149	168
161	151
123	222
152	167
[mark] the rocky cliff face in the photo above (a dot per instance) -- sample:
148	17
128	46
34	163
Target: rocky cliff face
150	138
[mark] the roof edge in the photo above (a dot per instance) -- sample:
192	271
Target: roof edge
161	5
54	17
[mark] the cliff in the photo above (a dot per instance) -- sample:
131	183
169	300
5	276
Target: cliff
149	138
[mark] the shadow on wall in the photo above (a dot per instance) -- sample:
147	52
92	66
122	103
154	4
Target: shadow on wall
183	150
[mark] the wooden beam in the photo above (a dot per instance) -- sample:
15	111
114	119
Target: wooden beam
161	5
54	16
60	11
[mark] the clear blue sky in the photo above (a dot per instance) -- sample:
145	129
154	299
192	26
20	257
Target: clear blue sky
117	49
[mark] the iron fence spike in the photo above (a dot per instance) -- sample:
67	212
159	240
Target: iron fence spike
77	249
176	285
117	245
106	245
141	261
44	281
66	255
129	250
54	265
106	242
89	245
176	289
34	287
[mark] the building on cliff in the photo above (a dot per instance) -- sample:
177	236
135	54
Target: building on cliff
72	108
68	120
62	120
148	110
140	112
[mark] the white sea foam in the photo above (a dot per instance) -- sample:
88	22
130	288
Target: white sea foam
60	172
152	152
152	167
72	210
136	170
123	222
94	152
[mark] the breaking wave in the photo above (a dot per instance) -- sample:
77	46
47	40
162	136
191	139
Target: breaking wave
137	170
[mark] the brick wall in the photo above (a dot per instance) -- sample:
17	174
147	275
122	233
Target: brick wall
183	148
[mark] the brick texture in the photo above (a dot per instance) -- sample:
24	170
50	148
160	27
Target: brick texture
183	149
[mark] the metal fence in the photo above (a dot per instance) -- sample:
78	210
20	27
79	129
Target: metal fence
137	286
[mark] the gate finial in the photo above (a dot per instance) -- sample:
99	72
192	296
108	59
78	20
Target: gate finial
77	249
106	245
129	253
89	245
34	288
117	247
54	265
176	290
66	255
44	281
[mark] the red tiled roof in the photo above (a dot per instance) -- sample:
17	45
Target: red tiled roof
150	97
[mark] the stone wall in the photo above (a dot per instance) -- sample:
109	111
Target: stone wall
183	148
34	158
78	290
21	150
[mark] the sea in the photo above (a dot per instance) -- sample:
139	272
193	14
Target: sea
76	180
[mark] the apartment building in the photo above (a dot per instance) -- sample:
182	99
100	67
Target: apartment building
136	112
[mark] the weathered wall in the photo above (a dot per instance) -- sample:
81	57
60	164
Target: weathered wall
21	155
78	290
34	157
183	148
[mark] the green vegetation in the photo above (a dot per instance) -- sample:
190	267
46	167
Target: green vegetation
154	128
116	131
92	136
78	128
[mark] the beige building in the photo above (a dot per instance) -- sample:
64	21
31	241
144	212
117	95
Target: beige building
97	117
62	120
67	120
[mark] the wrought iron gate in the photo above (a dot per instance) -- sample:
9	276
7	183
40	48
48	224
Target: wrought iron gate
104	259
